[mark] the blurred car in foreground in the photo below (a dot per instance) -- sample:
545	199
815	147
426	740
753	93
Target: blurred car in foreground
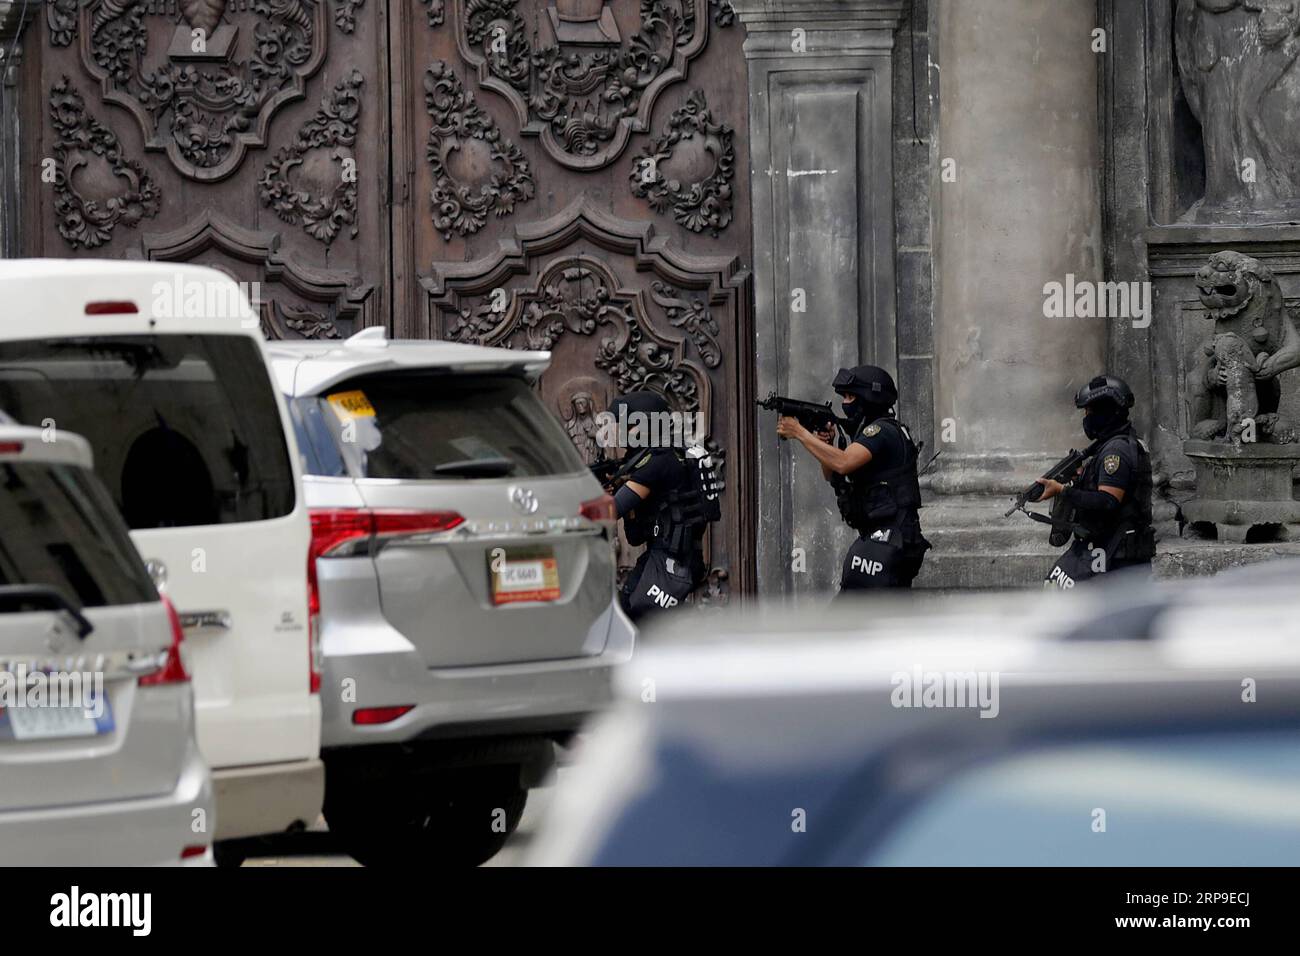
1149	726
463	574
98	760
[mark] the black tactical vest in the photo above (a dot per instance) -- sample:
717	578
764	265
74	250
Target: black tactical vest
872	498
1134	512
683	514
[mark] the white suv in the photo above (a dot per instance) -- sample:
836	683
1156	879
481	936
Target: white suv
162	368
98	763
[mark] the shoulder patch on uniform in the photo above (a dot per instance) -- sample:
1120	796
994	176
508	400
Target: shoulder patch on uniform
1111	464
870	430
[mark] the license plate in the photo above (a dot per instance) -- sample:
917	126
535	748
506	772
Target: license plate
524	575
48	723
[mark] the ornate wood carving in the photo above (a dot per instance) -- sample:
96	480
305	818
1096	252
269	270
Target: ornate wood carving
312	182
723	14
694	316
573	292
297	301
345	14
459	124
700	205
581	295
436	12
585	93
89	165
61	18
203	89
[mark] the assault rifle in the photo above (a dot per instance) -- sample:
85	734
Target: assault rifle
1062	517
812	416
612	472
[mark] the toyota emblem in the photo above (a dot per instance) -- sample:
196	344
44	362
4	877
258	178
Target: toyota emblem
525	499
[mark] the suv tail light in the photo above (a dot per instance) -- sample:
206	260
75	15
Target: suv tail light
599	509
112	308
173	670
342	531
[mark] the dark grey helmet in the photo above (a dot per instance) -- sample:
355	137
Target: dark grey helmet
646	402
871	383
1105	387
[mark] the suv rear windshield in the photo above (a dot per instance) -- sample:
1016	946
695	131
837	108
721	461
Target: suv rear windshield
185	428
434	426
58	528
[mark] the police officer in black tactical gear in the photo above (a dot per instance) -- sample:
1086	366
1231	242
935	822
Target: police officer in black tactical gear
1108	507
666	503
875	480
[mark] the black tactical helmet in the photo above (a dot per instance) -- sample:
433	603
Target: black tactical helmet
646	402
1105	387
871	383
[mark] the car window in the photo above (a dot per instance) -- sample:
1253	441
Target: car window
429	426
320	456
185	428
59	528
1224	799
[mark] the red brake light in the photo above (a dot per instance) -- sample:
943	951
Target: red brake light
10	447
331	528
192	851
380	715
599	509
173	670
415	522
111	308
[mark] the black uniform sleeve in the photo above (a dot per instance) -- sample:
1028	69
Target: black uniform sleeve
1117	465
625	500
883	441
660	473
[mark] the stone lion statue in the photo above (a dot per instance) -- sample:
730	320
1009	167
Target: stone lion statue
1234	381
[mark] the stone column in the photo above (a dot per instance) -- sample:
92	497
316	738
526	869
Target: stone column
14	18
823	210
1018	130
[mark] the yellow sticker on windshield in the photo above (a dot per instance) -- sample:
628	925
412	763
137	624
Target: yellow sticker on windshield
350	405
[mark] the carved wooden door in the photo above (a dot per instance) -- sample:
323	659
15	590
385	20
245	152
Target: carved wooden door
558	174
249	135
576	181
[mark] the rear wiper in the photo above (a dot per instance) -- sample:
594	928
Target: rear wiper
476	467
22	597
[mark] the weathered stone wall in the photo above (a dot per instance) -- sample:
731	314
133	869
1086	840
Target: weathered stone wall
1018	136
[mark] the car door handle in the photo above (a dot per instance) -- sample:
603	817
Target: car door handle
205	620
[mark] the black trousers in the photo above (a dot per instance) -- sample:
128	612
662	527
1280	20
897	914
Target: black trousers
659	582
872	565
1080	564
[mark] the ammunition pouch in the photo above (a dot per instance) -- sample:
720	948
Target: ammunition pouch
1063	521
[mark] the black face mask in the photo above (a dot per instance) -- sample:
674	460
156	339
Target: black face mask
1101	422
853	410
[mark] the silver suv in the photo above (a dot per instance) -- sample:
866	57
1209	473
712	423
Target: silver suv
98	759
464	577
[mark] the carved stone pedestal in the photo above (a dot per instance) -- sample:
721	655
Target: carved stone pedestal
1243	491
